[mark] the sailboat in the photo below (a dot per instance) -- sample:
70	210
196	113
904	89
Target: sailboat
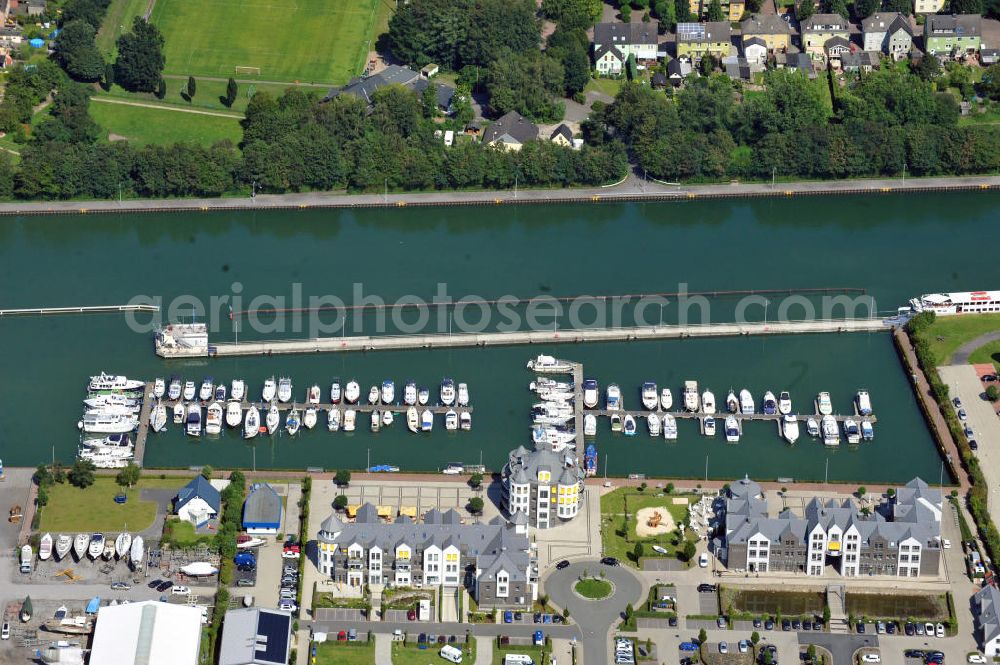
159	388
122	544
284	389
213	422
45	547
251	426
80	544
136	552
158	418
333	419
234	413
63	545
292	422
451	420
270	390
96	547
273	418
412	419
309	420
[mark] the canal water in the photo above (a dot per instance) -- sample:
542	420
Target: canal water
892	247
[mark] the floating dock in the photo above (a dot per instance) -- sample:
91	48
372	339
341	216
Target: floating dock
95	309
484	339
142	433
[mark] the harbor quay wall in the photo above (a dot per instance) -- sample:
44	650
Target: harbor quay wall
630	191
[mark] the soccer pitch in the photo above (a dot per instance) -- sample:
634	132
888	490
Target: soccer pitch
312	41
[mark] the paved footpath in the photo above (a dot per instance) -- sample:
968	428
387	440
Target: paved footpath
961	356
630	189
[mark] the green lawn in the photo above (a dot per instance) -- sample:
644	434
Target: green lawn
412	655
74	510
947	333
537	654
989	353
143	126
181	535
117	20
608	86
207	95
335	653
309	40
593	588
620	543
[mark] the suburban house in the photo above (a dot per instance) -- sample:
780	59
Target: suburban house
987	603
953	35
511	131
799	61
927	6
615	42
197	502
696	40
861	61
677	71
262	510
542	487
889	33
256	636
900	538
736	10
739	69
493	560
393	75
562	136
147	632
818	29
755	50
835	48
775	32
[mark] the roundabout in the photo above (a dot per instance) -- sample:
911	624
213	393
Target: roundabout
593	588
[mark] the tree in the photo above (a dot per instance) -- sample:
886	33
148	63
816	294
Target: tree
666	11
140	57
682	11
343	478
629	611
811	652
928	67
626	13
42	477
992	393
476	481
161	89
707	65
702	636
109	75
76	52
192	87
340	502
565	613
90	11
638	551
826	614
754	638
669	489
128	476
838	7
42	497
82	474
231	91
806	9
865	8
891	492
207	471
715	11
967	6
643	486
476	505
861	491
689	550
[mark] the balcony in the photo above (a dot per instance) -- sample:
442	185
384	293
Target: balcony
833	548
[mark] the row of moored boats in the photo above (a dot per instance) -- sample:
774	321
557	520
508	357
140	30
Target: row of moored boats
112	409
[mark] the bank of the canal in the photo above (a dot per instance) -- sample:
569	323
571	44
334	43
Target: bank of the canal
894	247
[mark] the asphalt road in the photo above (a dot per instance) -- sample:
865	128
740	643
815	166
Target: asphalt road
595	618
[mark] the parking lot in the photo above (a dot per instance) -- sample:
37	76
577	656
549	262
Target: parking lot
963	382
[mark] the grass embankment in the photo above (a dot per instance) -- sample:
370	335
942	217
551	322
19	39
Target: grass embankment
618	532
73	510
946	333
142	126
411	654
921	331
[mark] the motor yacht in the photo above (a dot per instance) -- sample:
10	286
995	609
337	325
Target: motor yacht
653	424
669	427
545	363
666	399
812	427
852	431
98	422
387	418
613	398
207	389
864	402
158	418
273	418
867	430
708	402
333	419
691	401
159	388
373	395
388	391
292	422
376	420
831	433
447	392
451	421
708	426
463	394
591	393
790	428
220	392
410	393
412	419
234	413
284	389
309	419
104	382
650	396
423	396
270	390
238	390
352	392
590	425
628	425
336	394
179	413
313	396
350	418
747	407
426	421
251	426
784	403
192	423
769	405
174	389
823	404
213	419
732	429
732	402
190	390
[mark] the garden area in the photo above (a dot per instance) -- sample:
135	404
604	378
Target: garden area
947	333
73	509
926	606
634	520
427	654
345	653
181	534
767	602
327	599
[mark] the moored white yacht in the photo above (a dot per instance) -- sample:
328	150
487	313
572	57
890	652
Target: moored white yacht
292	422
831	433
207	389
769	405
650	398
159	388
174	389
465	421
333	419
238	390
790	428
669	427
387	418
628	425
545	363
388	392
590	425
867	430
691	401
273	418
336	394
158	418
251	425
270	390
410	393
784	403
309	419
104	382
852	431
666	399
732	402
708	402
423	395
313	396
350	418
189	391
746	402
192	422
373	395
412	419
732	429
613	398
463	394
352	392
823	404
812	427
708	426
97	422
426	421
234	413
213	420
284	389
653	424
616	422
220	392
376	420
110	441
451	421
864	402
179	413
447	392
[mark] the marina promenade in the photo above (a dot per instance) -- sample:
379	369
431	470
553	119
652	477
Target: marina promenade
484	339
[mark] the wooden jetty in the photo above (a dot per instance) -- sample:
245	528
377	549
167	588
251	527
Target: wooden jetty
142	433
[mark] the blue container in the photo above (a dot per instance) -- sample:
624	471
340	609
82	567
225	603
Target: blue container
37	42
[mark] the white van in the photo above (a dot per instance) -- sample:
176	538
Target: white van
424	610
517	659
449	652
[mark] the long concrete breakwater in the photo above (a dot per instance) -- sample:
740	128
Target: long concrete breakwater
484	339
631	190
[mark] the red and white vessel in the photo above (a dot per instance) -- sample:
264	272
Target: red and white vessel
962	302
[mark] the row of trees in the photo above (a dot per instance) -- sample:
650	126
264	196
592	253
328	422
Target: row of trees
885	122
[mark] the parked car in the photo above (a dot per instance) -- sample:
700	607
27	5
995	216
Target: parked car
508	617
919	628
706	588
769	624
536	617
796	624
166	584
757	623
891	628
914	653
562	564
977	659
962	415
871	658
860	627
786	624
703	560
929	629
973	444
688	646
153	584
672	622
342	636
744	646
723	647
909	629
721	622
939	630
610	561
352	635
244	581
179	590
958	403
288	606
120	586
5	632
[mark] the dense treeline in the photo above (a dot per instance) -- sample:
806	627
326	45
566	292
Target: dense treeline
884	122
291	143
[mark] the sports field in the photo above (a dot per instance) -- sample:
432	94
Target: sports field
313	41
